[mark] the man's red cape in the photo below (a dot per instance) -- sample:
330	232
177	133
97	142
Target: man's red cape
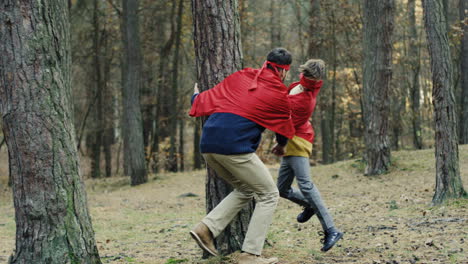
265	104
302	107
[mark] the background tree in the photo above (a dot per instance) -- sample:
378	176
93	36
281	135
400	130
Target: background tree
174	95
218	54
52	220
448	181
132	128
378	29
415	67
464	72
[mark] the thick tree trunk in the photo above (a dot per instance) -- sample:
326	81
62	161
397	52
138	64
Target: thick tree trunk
378	30
52	219
218	53
448	181
415	93
132	127
464	73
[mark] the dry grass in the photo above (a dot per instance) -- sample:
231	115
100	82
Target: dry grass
386	219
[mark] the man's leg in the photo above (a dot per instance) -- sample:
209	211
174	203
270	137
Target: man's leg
285	179
250	170
218	218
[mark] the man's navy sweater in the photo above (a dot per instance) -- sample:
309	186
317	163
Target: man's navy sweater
229	134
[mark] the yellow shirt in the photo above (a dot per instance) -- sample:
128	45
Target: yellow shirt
298	146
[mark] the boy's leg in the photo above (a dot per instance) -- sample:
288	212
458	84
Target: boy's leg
301	168
285	179
251	171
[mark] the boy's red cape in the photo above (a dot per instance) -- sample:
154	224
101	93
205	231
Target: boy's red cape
256	94
302	107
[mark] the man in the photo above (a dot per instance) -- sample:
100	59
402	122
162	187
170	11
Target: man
295	162
240	108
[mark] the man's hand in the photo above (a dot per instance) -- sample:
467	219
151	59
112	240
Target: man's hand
278	150
195	89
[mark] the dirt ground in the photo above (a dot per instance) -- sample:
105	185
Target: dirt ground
386	219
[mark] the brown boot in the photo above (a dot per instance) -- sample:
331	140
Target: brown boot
204	238
246	258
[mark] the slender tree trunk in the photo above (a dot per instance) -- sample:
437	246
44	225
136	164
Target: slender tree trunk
314	52
181	144
378	30
52	219
218	54
464	73
108	108
275	23
161	88
415	66
98	118
174	93
197	158
132	127
448	180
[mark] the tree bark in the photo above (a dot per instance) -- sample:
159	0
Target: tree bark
132	127
96	132
218	54
464	73
159	128
181	145
275	23
378	30
448	181
415	66
52	219
174	93
197	159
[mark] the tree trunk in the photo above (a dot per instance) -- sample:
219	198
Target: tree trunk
108	108
314	52
197	159
52	219
275	23
218	54
181	144
414	56
464	73
97	113
448	181
160	90
174	93
378	30
132	127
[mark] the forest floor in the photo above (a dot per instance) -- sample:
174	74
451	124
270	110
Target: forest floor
386	219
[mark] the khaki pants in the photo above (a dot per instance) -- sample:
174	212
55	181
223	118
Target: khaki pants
249	176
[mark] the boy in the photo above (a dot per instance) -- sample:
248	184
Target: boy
295	161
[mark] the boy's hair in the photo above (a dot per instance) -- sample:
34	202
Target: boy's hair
279	56
313	69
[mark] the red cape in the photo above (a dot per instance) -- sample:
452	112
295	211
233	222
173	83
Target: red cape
266	105
302	107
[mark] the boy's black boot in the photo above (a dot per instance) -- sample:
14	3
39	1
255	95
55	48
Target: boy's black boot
305	215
